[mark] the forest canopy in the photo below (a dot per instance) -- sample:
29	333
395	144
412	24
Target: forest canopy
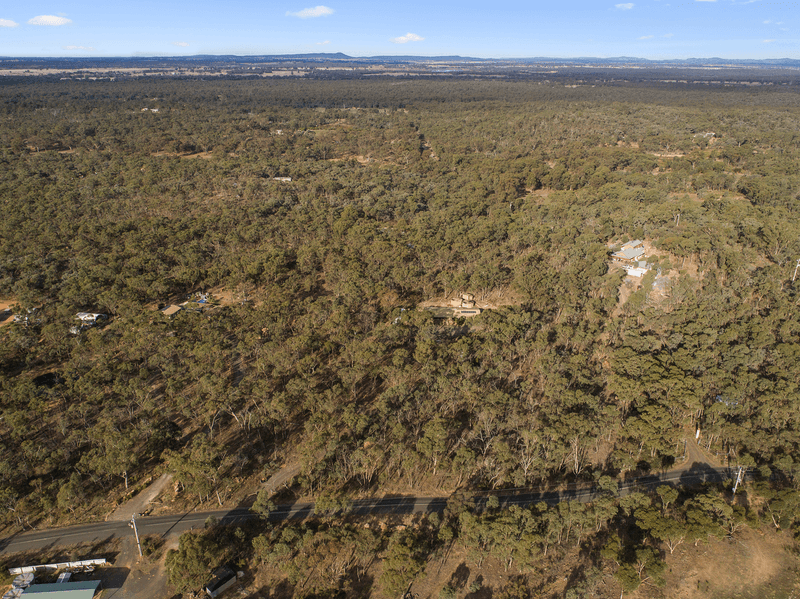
324	213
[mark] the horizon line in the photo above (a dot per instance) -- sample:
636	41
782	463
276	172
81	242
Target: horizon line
342	55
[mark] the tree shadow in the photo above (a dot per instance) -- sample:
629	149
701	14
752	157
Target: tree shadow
460	577
480	592
699	473
282	590
577	576
361	587
112	578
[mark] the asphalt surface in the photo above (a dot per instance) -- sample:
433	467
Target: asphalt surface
695	474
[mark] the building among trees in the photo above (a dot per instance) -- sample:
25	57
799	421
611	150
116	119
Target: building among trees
630	252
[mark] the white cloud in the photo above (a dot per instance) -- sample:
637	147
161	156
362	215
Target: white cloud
181	44
768	41
706	0
626	6
50	20
325	43
668	35
87	48
647	37
309	13
7	23
408	37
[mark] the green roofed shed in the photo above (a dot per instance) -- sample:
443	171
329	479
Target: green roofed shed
63	590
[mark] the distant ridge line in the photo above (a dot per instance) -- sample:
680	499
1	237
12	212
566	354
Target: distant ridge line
339	56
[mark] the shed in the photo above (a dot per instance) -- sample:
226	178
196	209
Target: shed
63	590
635	271
171	310
222	579
441	312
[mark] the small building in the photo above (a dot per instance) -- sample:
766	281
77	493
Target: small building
461	307
90	318
87	321
635	271
222	579
171	310
284	179
441	312
63	590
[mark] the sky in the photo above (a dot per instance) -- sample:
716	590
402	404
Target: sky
655	29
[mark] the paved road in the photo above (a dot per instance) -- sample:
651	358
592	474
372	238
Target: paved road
172	524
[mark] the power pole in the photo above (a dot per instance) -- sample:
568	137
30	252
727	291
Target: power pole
794	276
136	532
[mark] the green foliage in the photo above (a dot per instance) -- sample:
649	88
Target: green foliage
326	557
71	495
189	567
152	546
512	191
404	559
263	505
516	588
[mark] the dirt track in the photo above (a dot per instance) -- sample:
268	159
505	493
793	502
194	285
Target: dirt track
138	504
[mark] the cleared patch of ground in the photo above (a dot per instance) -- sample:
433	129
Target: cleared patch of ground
491	300
144	578
5	311
360	159
755	564
667	154
204	155
140	502
539	194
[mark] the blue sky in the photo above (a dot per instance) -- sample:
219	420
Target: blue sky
498	29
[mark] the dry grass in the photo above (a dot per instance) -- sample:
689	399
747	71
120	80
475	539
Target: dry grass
756	564
6	317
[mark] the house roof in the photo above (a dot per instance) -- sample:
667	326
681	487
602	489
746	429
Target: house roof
444	312
635	271
173	309
220	577
88	316
63	590
629	253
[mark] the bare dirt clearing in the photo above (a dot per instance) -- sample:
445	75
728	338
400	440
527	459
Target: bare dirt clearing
492	300
139	503
755	564
5	311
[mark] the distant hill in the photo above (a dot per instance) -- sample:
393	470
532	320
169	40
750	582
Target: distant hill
339	56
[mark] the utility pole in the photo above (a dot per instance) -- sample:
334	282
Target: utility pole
136	532
794	276
739	476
